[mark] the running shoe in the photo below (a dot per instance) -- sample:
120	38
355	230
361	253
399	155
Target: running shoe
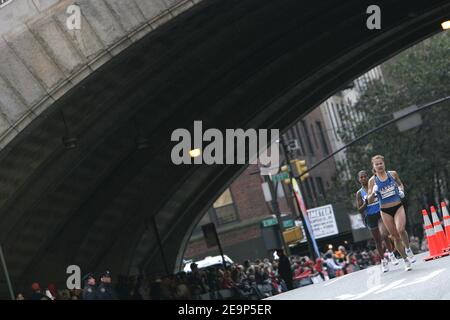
408	265
384	266
410	255
393	258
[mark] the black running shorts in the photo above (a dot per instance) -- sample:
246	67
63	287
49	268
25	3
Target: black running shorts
372	220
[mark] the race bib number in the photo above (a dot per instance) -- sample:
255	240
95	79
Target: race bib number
387	191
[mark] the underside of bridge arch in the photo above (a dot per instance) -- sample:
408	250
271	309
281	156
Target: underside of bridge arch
231	64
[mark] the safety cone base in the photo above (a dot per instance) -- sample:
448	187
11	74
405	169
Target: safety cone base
437	256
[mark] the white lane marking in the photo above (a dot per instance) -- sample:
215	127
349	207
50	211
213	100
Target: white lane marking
368	292
331	282
390	286
423	279
396	284
336	279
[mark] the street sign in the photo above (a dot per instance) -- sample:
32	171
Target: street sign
269	222
280	177
267	171
323	221
289	223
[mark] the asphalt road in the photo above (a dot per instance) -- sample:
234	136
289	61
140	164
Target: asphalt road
426	281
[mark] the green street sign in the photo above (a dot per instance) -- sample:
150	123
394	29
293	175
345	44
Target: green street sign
288	223
269	222
273	222
280	177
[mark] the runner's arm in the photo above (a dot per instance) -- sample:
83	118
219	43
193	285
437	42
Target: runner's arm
360	204
397	179
371	192
401	187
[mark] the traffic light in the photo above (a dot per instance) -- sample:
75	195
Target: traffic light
301	167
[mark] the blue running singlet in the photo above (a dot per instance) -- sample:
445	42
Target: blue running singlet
387	190
372	208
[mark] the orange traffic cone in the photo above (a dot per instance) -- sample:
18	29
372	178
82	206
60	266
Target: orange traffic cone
446	216
433	247
440	235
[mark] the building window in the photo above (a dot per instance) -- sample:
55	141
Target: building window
338	123
322	137
224	209
349	117
341	112
299	137
319	183
308	140
314	136
314	191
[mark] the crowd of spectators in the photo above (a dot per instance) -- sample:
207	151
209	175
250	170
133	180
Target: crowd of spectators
252	280
261	278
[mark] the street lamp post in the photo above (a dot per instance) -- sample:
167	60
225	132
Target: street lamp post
276	211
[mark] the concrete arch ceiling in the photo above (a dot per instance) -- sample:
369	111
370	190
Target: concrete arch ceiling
232	64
